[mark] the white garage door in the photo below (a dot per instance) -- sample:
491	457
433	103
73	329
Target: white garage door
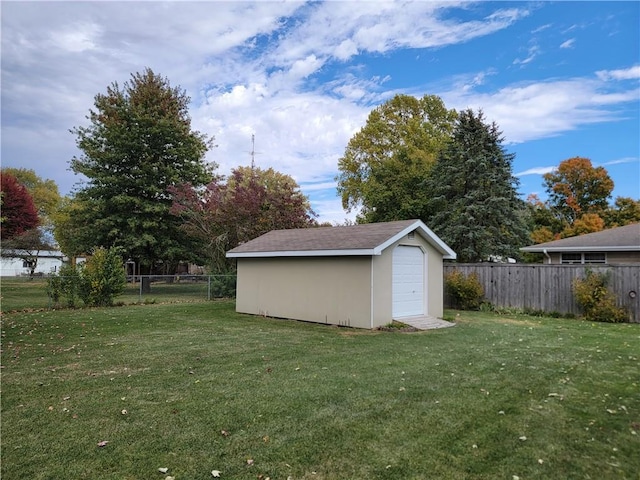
408	281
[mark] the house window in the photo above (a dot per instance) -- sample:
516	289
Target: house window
595	257
571	258
583	258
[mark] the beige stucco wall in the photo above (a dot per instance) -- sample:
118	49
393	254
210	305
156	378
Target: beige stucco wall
339	290
334	290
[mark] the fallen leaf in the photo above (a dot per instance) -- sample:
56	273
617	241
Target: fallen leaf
540	461
124	412
224	433
215	473
170	478
163	470
523	438
250	461
103	443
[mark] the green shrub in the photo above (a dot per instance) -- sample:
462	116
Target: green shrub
95	282
223	286
103	277
597	302
465	291
65	286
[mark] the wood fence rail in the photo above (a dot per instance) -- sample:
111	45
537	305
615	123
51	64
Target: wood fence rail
547	288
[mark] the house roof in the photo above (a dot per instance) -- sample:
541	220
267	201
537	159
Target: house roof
620	239
18	253
366	239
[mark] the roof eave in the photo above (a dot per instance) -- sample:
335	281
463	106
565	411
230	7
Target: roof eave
426	233
304	253
536	249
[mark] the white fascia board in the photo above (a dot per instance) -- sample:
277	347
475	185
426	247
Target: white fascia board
427	234
580	249
305	253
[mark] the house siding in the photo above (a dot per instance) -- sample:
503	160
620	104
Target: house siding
613	258
13	266
332	290
341	281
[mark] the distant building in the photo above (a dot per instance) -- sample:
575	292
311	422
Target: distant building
615	246
16	263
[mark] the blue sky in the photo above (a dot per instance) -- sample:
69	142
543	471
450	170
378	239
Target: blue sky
561	79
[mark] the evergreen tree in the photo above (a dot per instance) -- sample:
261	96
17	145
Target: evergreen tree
139	144
474	203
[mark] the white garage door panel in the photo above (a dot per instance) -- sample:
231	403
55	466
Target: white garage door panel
408	281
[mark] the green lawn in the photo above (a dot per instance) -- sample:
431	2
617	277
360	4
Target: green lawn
21	293
195	387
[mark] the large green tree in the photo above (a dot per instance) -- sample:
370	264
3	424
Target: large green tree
474	202
386	161
138	144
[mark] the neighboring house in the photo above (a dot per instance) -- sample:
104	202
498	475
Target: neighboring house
360	276
616	246
16	263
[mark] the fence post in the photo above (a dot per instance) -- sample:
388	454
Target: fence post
209	287
140	278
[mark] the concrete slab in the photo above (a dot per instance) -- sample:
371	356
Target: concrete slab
426	323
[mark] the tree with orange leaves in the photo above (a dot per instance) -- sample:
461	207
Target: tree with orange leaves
577	188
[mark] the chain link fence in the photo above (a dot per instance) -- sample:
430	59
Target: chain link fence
23	293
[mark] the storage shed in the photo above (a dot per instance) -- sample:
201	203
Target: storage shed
359	276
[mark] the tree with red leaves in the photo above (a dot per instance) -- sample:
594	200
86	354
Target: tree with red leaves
249	203
19	213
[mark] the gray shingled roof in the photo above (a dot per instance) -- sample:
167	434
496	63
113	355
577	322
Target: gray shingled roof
364	239
625	238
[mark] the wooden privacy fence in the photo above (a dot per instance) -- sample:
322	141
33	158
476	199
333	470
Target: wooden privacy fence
547	288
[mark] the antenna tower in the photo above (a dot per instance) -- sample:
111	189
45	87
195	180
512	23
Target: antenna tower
253	151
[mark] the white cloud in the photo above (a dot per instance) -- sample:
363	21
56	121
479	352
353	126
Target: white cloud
77	38
288	72
621	161
630	73
568	43
532	53
535	171
533	111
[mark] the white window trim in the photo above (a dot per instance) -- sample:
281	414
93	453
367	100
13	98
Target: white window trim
582	260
